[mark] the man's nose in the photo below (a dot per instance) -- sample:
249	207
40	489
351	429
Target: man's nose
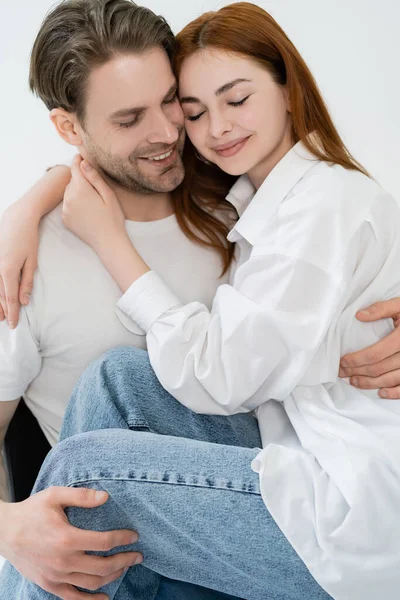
163	130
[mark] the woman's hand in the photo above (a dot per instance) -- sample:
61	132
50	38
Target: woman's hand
92	212
19	243
91	209
378	366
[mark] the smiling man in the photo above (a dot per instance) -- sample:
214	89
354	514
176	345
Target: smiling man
103	69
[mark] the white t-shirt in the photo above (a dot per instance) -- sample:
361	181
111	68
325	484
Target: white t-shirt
71	319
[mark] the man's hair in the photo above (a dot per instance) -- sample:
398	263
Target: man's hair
78	35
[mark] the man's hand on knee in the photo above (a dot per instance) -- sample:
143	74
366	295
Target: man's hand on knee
45	548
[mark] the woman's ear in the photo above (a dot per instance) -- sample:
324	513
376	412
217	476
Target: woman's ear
67	126
286	96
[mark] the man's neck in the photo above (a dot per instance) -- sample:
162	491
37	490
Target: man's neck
144	207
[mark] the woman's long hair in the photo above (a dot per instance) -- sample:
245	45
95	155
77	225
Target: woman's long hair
249	30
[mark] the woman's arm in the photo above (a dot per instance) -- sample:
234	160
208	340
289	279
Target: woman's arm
98	221
19	240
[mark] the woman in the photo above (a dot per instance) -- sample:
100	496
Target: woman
317	240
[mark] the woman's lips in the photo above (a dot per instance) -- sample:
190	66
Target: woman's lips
233	148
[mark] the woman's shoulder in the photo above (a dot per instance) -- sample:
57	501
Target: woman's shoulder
330	189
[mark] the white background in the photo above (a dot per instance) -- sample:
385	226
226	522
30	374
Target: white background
352	47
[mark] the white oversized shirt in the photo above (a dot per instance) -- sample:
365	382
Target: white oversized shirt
316	243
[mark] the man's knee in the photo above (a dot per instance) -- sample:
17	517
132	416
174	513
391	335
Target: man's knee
80	457
125	361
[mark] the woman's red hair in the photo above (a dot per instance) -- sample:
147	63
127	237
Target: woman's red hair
249	30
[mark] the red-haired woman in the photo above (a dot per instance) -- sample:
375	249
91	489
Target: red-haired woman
317	240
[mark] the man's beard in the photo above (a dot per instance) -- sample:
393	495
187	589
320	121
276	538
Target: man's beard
126	173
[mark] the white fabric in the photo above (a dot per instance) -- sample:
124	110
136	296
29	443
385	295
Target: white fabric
316	243
71	319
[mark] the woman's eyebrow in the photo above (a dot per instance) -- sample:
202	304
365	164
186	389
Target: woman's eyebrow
224	88
228	86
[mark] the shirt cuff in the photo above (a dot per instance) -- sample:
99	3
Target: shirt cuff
147	299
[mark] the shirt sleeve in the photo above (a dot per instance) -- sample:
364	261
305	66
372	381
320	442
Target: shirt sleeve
251	346
263	331
20	358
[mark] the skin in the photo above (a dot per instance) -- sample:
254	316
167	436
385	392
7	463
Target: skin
119	137
255	108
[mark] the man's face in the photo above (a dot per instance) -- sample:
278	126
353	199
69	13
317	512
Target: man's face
134	125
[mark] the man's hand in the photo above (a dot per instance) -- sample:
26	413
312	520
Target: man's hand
378	366
45	548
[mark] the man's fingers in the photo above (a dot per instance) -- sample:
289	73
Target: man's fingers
104	566
92	582
102	541
390	393
26	284
380	310
80	497
375	370
375	353
389	380
68	592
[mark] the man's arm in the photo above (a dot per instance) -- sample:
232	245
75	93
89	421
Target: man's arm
7	410
35	535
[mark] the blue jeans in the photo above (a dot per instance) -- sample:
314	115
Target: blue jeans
182	480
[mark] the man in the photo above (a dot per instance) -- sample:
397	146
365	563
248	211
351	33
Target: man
103	69
137	145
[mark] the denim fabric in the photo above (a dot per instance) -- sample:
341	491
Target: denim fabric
182	480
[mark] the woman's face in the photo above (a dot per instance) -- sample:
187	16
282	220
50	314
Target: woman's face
235	114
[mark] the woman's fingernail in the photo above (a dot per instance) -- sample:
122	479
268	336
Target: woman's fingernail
12	324
354	381
27	297
383	394
86	166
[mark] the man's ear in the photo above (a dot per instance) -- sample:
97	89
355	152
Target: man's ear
67	126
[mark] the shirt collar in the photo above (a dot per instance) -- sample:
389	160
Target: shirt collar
256	208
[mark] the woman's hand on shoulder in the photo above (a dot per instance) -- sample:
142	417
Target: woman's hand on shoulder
19	244
91	209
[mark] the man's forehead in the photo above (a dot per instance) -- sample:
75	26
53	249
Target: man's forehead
135	109
136	78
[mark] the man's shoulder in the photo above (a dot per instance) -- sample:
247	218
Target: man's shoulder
52	222
53	233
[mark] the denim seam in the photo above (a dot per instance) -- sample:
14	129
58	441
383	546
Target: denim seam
137	423
255	492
